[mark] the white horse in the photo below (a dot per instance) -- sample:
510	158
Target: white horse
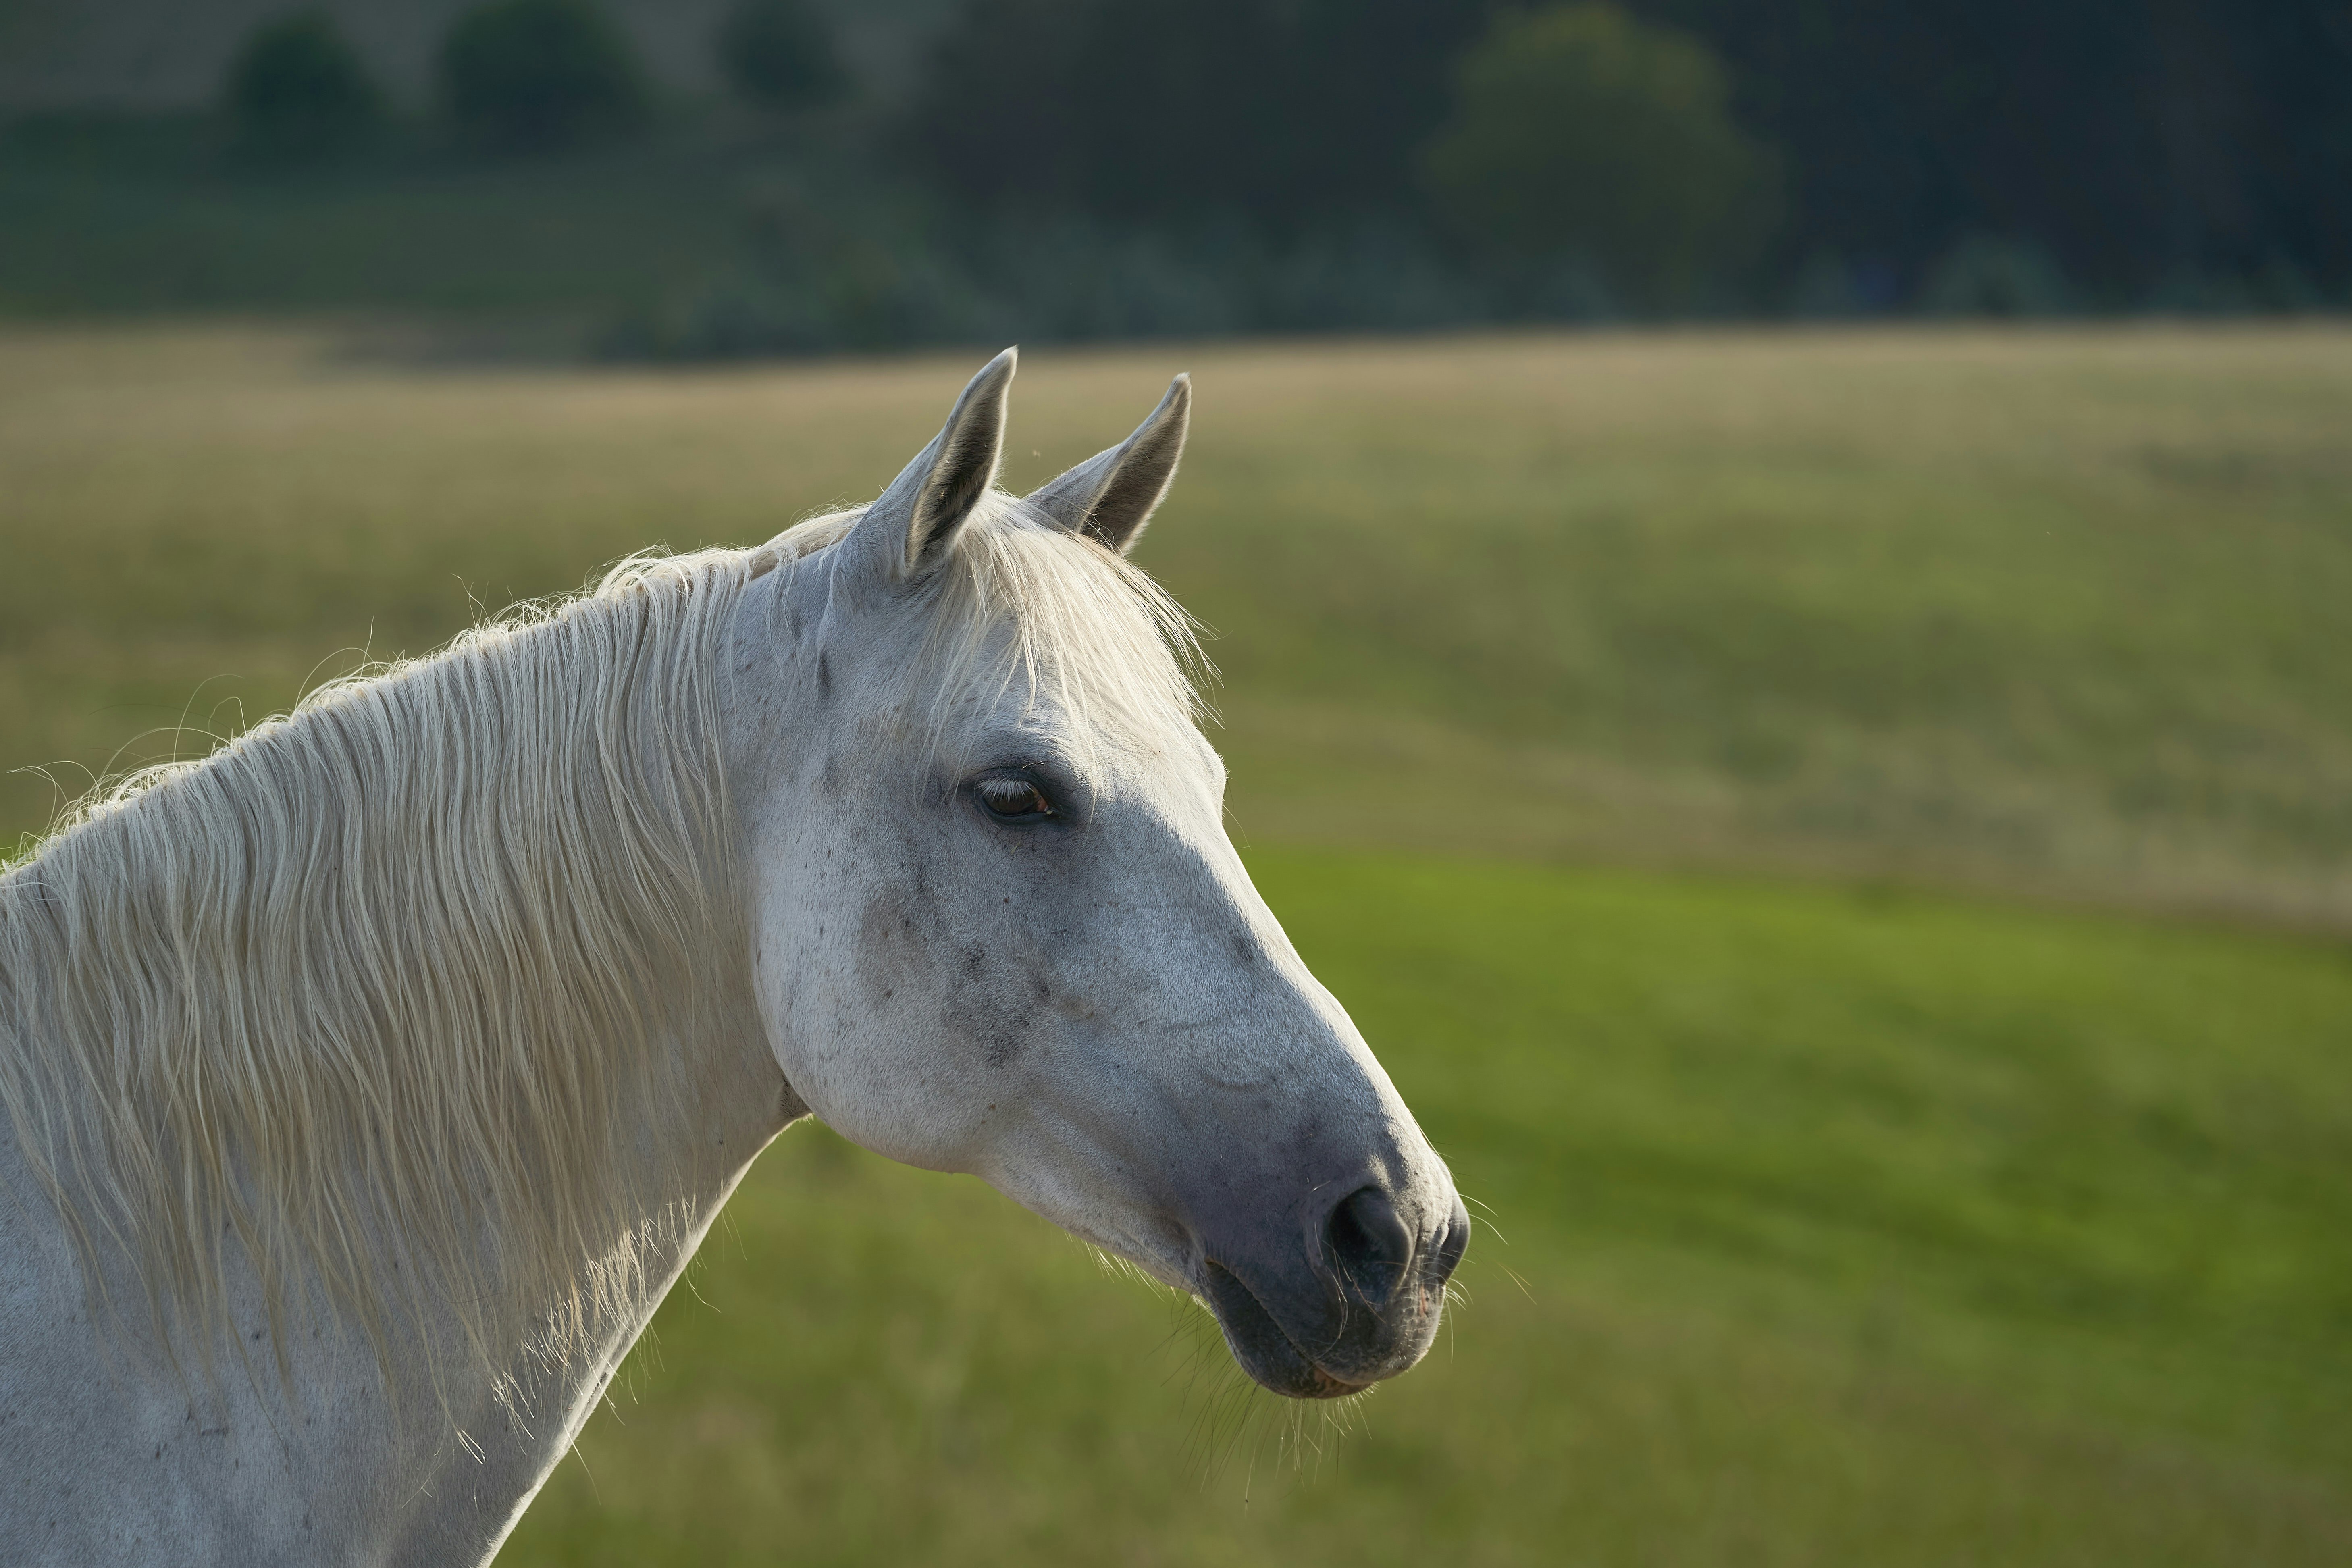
369	1081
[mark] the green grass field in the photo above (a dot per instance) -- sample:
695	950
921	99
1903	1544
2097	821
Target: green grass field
2057	612
1845	840
1839	1229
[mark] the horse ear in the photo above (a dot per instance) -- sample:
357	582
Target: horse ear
1110	496
913	525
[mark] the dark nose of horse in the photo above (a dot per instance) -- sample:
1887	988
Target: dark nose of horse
1372	1246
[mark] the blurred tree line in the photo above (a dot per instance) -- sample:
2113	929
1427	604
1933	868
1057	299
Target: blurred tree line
2132	142
513	77
1088	167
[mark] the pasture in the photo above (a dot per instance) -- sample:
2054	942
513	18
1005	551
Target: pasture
1844	839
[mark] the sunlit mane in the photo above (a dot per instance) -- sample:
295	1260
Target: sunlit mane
374	980
371	978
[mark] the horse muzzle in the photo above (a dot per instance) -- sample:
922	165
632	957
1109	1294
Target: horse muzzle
1360	1302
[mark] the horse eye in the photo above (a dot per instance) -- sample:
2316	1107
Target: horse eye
1009	798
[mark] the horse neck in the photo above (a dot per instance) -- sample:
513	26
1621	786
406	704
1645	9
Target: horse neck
513	1426
448	961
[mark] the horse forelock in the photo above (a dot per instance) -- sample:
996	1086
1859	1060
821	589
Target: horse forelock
1025	615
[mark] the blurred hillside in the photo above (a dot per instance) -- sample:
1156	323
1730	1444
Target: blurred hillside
969	171
2052	612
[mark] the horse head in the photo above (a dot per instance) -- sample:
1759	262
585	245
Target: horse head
998	927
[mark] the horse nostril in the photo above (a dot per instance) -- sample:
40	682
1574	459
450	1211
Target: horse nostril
1369	1243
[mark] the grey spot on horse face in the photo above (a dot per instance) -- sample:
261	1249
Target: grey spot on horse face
891	949
904	947
998	1007
824	679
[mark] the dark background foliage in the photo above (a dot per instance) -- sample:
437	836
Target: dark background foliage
2133	138
540	75
297	92
822	174
2132	141
780	55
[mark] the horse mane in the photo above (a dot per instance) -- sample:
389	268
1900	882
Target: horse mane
378	976
375	974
